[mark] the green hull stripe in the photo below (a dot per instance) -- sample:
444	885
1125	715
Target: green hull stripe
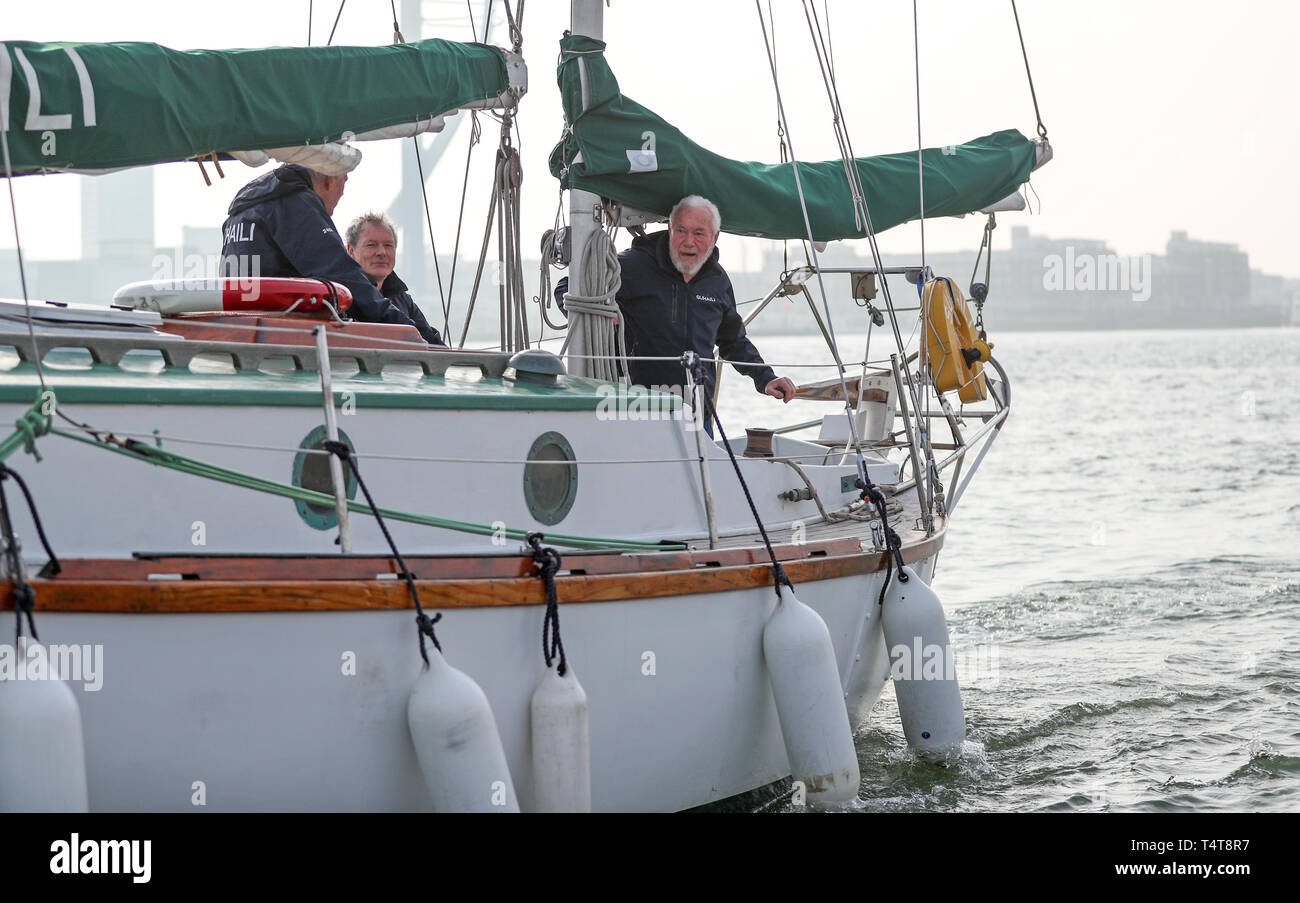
101	384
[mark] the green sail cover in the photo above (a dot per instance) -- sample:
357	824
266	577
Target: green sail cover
103	106
760	198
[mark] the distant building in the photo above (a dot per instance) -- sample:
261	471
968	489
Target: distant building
1207	281
1069	283
117	244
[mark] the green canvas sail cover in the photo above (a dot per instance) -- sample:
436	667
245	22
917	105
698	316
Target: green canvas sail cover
104	106
632	156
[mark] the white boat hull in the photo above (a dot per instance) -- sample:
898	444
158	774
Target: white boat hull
263	711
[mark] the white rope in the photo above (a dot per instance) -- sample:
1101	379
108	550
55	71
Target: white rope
603	321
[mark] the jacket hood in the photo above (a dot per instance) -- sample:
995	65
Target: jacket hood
655	244
283	181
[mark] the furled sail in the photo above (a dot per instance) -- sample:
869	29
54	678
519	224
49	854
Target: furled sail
620	150
88	107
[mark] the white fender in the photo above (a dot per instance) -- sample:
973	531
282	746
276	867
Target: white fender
810	702
922	668
561	744
457	743
42	754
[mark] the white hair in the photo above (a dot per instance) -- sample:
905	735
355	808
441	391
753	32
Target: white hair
694	200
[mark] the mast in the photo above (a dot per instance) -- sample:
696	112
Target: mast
587	17
407	210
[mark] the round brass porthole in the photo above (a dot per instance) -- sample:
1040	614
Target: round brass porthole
550	478
313	472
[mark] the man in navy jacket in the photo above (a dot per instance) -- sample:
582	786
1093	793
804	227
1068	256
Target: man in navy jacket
282	220
675	297
372	242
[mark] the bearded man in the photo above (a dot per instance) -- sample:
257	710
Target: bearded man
676	297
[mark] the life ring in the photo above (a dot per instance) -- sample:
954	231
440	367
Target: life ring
955	353
257	294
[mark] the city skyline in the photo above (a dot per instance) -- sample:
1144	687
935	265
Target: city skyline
1038	281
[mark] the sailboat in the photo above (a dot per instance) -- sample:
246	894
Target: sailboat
301	603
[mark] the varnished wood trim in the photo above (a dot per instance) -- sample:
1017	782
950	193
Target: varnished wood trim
351	594
336	567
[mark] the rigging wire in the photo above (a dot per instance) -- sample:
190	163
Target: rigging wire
920	159
443	299
18	248
473	30
397	31
851	174
475	135
877	259
935	486
424	195
1042	129
834	347
337	16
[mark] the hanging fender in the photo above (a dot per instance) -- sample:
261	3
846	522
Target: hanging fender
922	668
457	743
42	751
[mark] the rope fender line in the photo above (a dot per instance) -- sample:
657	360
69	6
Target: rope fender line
692	361
548	562
24	594
423	623
893	543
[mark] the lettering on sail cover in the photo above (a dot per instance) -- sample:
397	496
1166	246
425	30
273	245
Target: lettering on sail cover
36	119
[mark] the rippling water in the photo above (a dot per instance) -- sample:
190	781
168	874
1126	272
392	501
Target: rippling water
1123	575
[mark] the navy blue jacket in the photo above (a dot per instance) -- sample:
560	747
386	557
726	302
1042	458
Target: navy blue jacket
394	289
280	220
666	315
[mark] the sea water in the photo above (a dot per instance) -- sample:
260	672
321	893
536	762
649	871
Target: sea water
1122	577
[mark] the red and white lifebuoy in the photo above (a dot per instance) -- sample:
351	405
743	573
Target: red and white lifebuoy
261	294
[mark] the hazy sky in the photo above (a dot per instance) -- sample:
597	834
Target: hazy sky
1163	115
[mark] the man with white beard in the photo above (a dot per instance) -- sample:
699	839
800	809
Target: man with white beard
675	297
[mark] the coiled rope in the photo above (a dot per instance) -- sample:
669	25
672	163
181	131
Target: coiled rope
606	341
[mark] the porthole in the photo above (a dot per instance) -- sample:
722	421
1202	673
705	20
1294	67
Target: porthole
313	472
550	478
